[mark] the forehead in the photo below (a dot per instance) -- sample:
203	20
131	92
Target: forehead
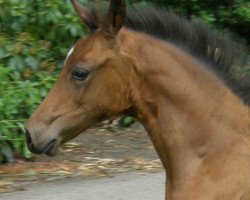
79	49
91	48
88	41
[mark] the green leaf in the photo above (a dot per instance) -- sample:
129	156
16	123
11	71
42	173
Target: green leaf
127	121
16	62
26	152
6	151
32	62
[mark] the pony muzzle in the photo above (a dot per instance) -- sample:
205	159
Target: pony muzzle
50	148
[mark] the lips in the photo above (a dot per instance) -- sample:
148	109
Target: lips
51	148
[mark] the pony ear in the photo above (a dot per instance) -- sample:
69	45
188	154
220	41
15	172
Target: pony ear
115	17
88	16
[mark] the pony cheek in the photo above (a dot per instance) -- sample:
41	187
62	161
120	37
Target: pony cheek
76	123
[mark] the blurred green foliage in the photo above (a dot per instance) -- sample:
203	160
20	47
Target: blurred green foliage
18	99
36	36
126	121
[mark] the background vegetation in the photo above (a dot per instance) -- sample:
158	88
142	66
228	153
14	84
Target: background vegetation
36	36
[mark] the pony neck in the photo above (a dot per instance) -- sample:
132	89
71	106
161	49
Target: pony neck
187	111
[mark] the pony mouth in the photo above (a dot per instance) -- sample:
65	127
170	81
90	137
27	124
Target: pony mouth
52	148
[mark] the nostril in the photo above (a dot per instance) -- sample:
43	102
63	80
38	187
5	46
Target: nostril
28	137
30	144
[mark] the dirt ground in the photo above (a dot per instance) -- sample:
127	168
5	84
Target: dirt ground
98	152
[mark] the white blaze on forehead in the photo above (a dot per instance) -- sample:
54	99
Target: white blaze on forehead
70	52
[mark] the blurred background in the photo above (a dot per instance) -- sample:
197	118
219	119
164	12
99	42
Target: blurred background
36	36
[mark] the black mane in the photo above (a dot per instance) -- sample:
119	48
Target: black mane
217	51
193	36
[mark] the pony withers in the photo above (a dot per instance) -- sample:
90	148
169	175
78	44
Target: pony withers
162	70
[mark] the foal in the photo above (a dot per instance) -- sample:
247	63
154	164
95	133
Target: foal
199	127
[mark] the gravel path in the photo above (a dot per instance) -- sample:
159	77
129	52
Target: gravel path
126	186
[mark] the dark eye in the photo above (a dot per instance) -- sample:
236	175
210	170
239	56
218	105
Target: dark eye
80	74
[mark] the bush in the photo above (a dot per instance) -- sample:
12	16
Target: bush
37	34
17	102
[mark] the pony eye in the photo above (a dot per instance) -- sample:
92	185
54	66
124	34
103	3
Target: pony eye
80	74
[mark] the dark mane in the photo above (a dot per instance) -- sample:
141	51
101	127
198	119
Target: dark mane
193	36
218	52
